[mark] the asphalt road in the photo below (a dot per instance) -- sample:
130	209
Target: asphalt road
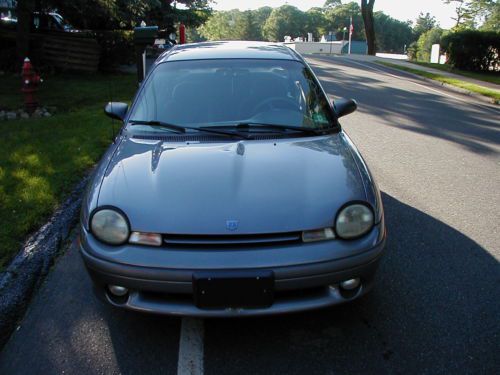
435	308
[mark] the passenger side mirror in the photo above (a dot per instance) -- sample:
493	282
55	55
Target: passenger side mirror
344	107
116	110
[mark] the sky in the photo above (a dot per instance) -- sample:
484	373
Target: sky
400	9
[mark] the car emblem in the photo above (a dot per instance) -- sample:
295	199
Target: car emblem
232	224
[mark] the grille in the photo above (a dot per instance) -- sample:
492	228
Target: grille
205	138
234	239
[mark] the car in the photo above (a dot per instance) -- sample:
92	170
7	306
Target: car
231	190
40	21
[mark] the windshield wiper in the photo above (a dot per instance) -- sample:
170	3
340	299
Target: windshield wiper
257	125
177	128
182	129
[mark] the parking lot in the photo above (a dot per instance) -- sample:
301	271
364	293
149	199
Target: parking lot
434	309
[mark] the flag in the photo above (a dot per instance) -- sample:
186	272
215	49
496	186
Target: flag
351	28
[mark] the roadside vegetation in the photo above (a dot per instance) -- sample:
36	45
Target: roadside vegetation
494	94
493	77
41	159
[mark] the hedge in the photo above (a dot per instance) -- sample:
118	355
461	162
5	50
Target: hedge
117	48
473	50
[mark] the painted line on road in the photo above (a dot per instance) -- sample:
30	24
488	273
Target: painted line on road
190	361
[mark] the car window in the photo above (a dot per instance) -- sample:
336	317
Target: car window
228	91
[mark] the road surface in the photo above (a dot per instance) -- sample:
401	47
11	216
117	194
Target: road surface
435	308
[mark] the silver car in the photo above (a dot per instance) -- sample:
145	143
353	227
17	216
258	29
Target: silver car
231	190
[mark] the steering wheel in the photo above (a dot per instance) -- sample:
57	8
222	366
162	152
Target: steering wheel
275	103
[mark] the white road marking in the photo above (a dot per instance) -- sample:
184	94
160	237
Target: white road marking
190	361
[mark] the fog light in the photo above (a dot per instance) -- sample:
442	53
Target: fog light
350	284
117	290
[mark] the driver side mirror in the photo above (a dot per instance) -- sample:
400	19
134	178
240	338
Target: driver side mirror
344	107
116	110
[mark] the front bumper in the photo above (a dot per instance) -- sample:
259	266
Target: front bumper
299	285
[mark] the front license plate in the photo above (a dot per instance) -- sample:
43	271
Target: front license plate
233	289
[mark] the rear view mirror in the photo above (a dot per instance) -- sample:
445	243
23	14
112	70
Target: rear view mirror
344	107
116	110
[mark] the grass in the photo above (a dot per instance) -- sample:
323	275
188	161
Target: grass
493	77
42	159
493	94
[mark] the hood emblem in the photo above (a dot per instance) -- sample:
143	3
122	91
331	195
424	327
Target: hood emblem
232	224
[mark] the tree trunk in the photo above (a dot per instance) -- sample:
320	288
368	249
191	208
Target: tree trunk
24	10
367	13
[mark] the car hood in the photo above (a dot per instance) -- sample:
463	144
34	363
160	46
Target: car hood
240	187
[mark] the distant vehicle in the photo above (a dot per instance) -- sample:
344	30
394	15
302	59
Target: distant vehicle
43	21
231	190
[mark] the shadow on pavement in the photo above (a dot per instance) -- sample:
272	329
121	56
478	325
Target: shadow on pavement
421	112
433	310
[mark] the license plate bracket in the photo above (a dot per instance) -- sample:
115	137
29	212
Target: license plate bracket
233	289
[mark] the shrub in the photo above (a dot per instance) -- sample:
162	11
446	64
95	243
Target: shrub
117	48
473	50
425	42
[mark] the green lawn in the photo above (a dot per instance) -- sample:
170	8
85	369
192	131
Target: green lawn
42	159
493	94
493	77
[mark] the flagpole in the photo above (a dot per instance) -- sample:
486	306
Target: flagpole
350	36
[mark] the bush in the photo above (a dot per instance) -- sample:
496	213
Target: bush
117	48
425	42
473	50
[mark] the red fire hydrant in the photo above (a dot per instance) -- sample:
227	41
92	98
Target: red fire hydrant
31	80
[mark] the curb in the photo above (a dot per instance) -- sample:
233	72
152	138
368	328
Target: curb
27	270
446	86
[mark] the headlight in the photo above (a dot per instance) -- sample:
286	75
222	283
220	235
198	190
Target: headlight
110	226
354	221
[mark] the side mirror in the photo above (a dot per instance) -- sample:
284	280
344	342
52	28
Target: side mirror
116	110
344	107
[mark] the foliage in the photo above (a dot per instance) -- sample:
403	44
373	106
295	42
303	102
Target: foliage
473	50
392	35
493	94
468	12
41	159
491	77
117	48
285	20
231	25
125	14
492	19
339	17
423	23
425	42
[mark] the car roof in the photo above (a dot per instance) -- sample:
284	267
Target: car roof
229	50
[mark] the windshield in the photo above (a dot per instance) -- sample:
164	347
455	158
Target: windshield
233	91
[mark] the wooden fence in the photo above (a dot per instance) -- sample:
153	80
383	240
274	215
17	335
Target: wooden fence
64	50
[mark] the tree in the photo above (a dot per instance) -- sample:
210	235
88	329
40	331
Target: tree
329	4
367	13
285	20
339	17
492	18
423	23
467	12
425	42
392	35
24	10
315	22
